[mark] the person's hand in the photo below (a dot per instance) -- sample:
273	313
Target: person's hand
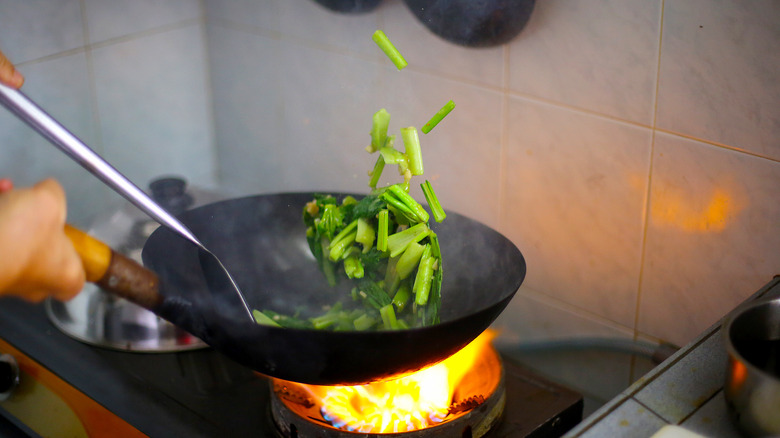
37	260
9	75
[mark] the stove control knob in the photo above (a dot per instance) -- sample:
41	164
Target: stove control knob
9	376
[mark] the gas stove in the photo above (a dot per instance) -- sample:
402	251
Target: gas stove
66	385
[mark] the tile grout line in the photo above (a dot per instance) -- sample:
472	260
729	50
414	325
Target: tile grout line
503	88
650	410
504	137
698	408
96	119
648	192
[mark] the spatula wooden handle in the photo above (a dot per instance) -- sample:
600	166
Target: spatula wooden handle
115	272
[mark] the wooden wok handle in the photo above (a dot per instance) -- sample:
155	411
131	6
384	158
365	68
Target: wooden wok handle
115	272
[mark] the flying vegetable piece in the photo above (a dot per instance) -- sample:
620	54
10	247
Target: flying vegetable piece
379	125
384	43
446	109
413	150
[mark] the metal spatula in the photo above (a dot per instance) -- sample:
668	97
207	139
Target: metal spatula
30	113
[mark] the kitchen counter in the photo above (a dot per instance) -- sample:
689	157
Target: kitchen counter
685	390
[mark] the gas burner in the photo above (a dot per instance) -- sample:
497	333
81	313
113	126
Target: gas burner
463	396
201	393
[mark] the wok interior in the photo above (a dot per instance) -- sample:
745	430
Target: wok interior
261	240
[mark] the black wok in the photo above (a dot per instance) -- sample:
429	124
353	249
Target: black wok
261	240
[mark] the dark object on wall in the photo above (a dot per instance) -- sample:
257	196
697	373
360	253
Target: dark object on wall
350	6
473	23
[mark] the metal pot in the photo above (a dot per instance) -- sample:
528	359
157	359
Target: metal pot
752	390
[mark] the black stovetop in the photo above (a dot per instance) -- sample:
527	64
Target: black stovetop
204	394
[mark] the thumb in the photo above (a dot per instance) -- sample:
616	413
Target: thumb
9	75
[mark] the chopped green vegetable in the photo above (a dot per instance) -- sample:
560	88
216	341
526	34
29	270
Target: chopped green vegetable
376	173
388	317
365	234
403	196
338	248
401	298
380	243
353	267
413	150
379	130
384	43
409	259
438	117
262	319
364	322
397	243
433	201
422	282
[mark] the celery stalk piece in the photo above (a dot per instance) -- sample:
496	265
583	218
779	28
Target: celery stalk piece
384	43
337	249
263	319
388	317
381	121
381	240
433	201
352	267
328	318
409	259
363	322
365	234
401	298
391	275
422	282
399	205
344	233
376	173
328	268
392	156
413	150
409	202
438	116
400	217
397	243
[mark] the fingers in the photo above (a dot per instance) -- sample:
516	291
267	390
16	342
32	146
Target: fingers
5	185
53	196
32	229
8	73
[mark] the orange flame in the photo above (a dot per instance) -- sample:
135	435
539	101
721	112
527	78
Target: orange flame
408	403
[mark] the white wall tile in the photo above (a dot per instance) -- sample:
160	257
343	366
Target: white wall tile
596	55
248	109
719	73
424	50
712	235
155	108
32	29
107	19
573	203
61	87
307	21
328	101
264	15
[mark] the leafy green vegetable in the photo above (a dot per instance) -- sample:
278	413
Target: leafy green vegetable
381	244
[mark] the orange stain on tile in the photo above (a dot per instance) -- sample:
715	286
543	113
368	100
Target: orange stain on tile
709	214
